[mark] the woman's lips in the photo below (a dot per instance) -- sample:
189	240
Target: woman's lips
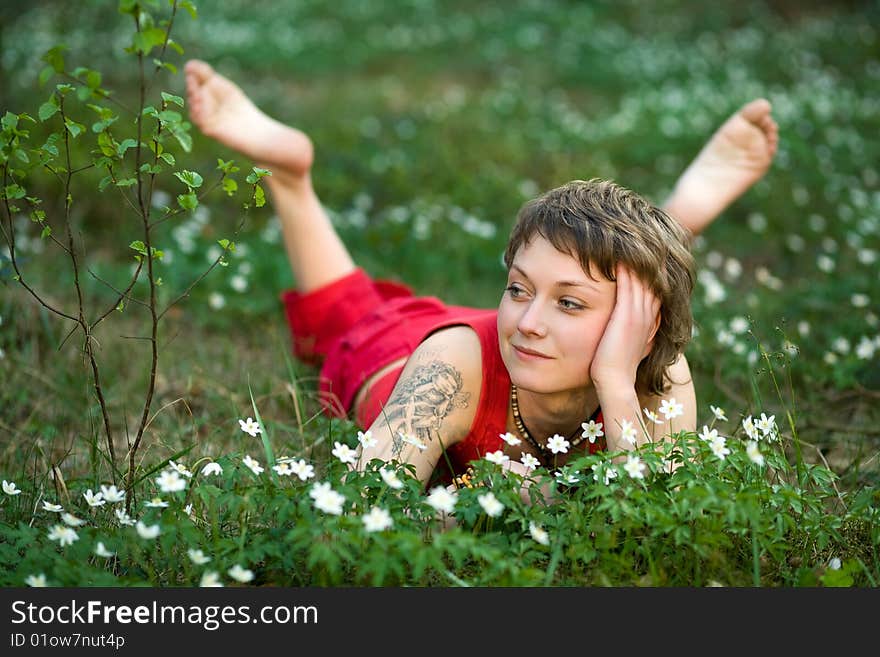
529	354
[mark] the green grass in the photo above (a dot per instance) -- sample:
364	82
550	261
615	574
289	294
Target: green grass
434	122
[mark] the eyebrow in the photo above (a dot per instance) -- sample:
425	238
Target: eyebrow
585	284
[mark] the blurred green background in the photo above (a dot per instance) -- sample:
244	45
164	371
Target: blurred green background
433	122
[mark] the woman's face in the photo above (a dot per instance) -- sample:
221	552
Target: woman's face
551	319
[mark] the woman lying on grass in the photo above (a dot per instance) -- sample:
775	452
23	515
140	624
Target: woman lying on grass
587	340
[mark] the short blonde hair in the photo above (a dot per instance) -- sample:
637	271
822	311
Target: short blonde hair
600	224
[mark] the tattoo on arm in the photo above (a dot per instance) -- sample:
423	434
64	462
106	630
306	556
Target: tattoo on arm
422	401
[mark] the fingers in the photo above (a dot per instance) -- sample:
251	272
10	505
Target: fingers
639	304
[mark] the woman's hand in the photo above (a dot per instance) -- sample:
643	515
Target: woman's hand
629	334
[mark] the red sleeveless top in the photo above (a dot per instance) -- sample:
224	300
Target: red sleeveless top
490	419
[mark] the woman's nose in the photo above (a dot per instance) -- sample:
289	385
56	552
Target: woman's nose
531	321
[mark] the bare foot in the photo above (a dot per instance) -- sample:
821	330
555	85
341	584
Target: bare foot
734	158
223	112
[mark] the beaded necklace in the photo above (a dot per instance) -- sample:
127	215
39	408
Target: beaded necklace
543	450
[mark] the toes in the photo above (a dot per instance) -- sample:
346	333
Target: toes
756	110
198	70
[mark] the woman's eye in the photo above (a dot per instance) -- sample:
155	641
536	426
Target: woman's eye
514	290
568	304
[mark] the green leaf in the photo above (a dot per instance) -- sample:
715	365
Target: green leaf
105	181
182	136
256	174
138	246
13	191
75	129
168	157
9	121
226	245
230	186
146	40
188	201
45	74
126	182
259	196
190	7
226	167
267	446
54	58
48	109
189	178
45	232
125	145
167	65
170	98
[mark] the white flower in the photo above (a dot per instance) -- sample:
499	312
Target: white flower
283	468
609	473
170	481
754	453
834	564
36	581
145	532
567	477
102	551
718	446
327	499
156	503
412	440
490	504
390	478
442	500
72	520
671	409
112	494
767	425
707	434
538	534
509	438
181	468
718	413
302	469
210	579
652	416
592	430
497	456
239	283
749	428
253	464
216	300
377	520
212	468
557	444
250	427
64	535
123	518
865	348
366	439
54	508
529	461
198	557
240	574
188	510
10	489
344	453
627	432
634	467
739	325
93	499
